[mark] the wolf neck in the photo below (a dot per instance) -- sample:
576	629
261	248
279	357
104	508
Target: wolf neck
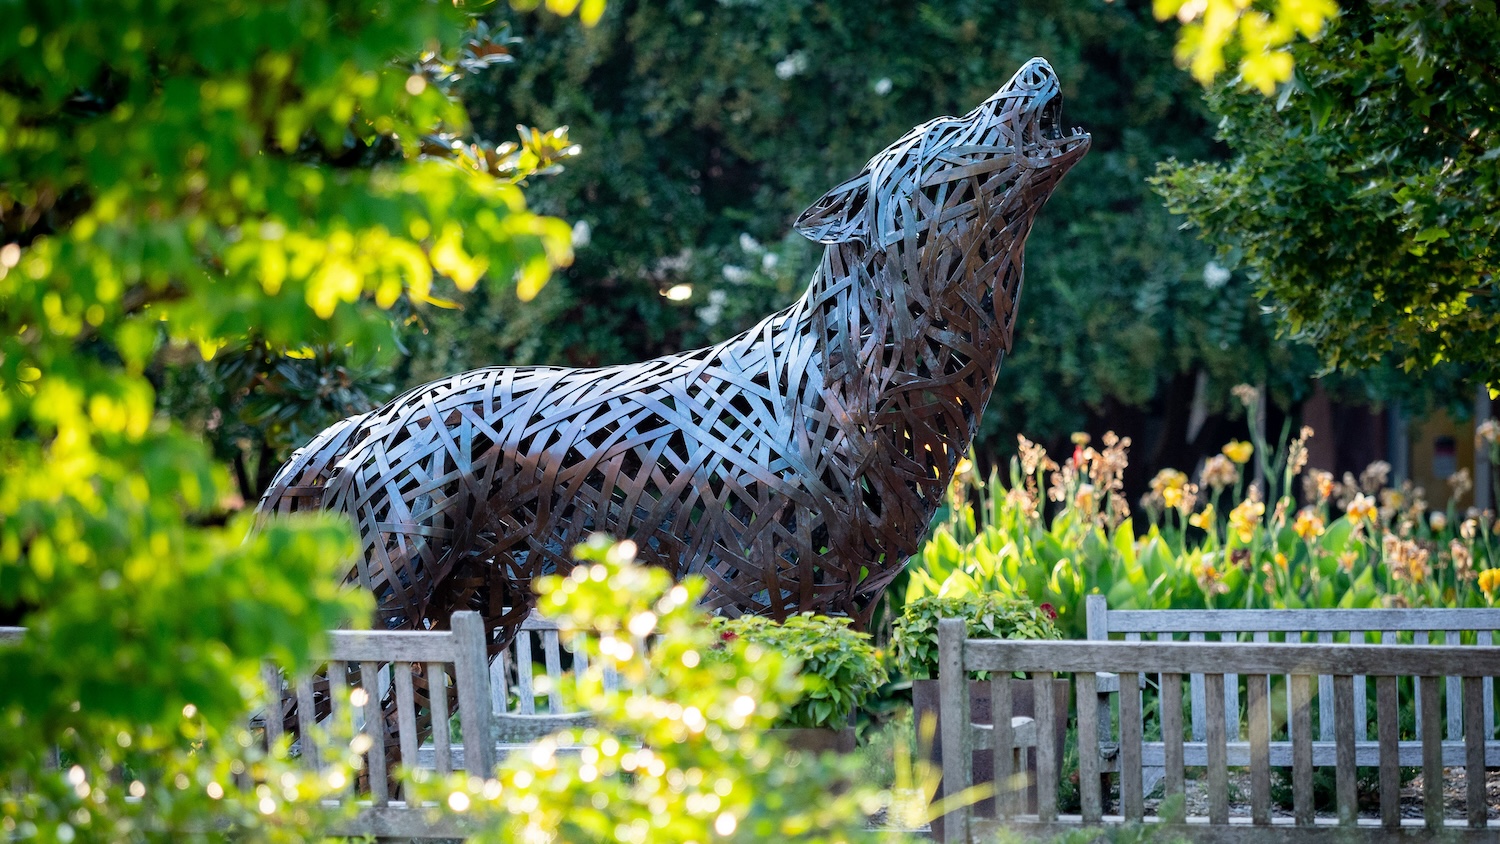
910	361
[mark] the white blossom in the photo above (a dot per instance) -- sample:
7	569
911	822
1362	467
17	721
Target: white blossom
1214	275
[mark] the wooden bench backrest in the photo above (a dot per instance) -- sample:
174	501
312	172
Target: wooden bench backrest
1258	662
386	658
538	651
1391	626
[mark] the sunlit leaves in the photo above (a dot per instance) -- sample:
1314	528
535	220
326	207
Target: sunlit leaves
179	180
680	753
589	11
1215	32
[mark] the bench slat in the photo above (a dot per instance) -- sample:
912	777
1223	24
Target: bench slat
1257	694
1388	728
1131	797
1323	754
1325	696
525	693
374	728
1455	695
1218	757
1090	784
1292	621
953	712
1231	694
406	712
509	728
1004	764
387	645
580	661
471	676
552	656
1346	795
1206	657
1361	724
499	685
1047	763
1432	757
1196	690
1171	731
1474	734
274	711
1300	686
307	717
442	739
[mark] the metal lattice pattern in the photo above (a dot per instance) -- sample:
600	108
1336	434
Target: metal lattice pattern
795	466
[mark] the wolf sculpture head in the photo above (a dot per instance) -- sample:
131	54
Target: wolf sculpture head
919	288
796	466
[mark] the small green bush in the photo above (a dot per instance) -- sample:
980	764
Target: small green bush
989	615
840	668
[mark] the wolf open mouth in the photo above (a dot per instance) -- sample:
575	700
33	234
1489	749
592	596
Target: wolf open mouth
1047	129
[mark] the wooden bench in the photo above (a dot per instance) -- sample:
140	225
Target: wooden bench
454	658
1451	627
504	700
1257	663
513	700
536	667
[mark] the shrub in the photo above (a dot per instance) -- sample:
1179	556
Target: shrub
988	616
840	668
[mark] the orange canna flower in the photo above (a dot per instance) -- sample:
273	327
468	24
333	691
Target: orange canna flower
1245	518
1309	525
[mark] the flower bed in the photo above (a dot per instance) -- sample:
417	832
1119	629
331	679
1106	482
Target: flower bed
1057	532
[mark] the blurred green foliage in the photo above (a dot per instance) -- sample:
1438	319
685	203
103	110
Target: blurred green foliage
1364	199
680	751
181	179
709	127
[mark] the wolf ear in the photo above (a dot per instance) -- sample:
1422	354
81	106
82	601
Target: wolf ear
841	215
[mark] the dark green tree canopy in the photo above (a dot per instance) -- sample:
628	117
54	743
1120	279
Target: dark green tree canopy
1365	199
709	126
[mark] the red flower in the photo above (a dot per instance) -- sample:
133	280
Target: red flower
1049	610
728	636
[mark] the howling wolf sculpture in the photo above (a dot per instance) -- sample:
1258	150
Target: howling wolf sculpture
796	466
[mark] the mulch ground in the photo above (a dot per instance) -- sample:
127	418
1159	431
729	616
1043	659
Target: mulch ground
1455	797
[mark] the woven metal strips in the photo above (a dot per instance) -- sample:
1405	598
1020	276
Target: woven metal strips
795	466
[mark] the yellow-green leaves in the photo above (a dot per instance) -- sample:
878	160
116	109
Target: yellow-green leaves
1215	32
679	752
589	11
181	179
